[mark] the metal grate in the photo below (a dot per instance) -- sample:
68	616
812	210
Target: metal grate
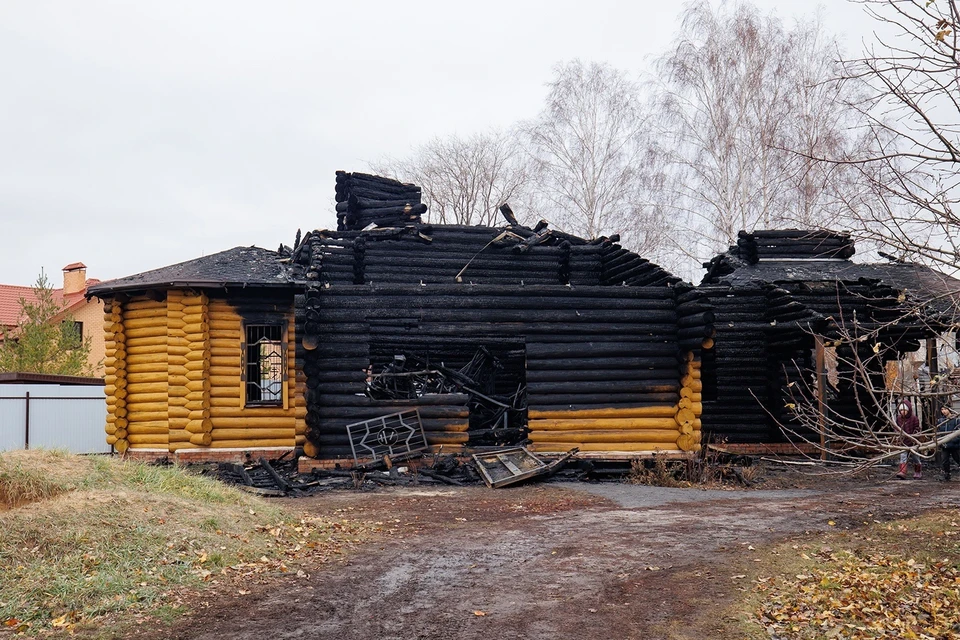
396	434
264	364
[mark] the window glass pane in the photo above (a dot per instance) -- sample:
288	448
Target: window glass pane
264	364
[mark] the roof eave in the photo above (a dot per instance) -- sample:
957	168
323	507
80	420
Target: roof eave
101	291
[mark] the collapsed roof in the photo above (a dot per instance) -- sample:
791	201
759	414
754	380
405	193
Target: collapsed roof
791	256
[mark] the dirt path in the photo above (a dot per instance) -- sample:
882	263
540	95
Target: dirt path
547	561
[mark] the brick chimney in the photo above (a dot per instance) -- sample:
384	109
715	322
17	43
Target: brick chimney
74	278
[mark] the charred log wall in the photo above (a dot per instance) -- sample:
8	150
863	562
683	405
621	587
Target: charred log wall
621	266
765	338
446	254
852	310
794	243
742	369
451	254
364	199
604	369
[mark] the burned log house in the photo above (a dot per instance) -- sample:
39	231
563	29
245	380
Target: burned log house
784	304
495	335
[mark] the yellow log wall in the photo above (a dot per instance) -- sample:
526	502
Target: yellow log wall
115	378
300	408
144	324
659	428
173	378
194	323
232	424
178	347
690	408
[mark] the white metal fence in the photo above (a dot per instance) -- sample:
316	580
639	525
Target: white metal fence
53	416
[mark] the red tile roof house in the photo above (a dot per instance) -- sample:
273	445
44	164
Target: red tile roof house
72	296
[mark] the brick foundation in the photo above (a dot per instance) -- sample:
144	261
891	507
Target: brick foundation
197	456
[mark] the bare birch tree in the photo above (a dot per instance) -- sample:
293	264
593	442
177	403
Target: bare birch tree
744	106
913	112
465	180
591	157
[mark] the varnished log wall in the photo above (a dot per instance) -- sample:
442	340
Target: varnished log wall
115	376
235	425
174	374
196	326
178	350
145	326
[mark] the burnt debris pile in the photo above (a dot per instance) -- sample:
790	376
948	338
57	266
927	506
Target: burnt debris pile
280	477
492	390
364	200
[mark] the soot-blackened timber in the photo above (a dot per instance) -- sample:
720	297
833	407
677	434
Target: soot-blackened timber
496	334
772	295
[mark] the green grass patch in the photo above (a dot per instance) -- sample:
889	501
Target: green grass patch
84	538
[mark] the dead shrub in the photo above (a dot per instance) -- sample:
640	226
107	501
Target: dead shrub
657	471
358	478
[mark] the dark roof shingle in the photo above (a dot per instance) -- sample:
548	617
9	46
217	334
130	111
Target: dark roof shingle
237	267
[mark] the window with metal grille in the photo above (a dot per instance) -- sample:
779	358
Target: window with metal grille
264	365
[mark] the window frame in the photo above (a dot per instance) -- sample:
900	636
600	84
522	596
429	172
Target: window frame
284	378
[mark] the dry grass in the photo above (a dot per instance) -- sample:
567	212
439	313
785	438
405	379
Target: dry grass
85	538
704	470
28	476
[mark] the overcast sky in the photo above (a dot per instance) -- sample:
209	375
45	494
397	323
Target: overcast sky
134	135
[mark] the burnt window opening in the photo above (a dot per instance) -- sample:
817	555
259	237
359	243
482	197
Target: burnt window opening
493	375
73	333
264	364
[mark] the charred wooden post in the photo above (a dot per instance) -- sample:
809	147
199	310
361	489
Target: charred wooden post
359	252
563	270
